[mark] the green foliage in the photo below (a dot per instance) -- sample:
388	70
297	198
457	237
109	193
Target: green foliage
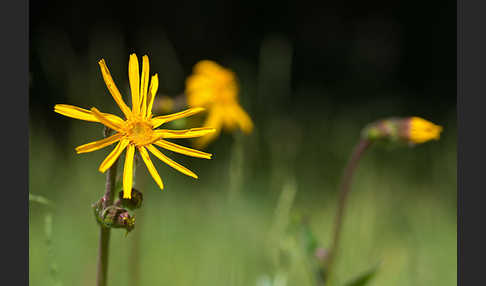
39	199
364	278
402	208
48	236
309	240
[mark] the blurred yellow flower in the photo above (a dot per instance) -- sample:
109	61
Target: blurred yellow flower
411	130
138	130
421	130
215	88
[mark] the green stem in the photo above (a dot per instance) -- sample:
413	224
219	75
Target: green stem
344	190
104	231
136	236
135	255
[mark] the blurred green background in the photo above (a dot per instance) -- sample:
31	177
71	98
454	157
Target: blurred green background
311	78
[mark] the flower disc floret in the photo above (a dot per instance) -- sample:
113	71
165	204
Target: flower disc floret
139	132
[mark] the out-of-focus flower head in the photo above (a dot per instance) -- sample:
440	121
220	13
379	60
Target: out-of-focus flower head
139	128
215	88
421	130
410	130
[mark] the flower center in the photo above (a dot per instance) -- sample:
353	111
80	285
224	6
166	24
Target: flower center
140	132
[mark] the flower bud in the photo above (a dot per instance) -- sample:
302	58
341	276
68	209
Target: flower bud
420	130
125	220
410	130
114	217
133	203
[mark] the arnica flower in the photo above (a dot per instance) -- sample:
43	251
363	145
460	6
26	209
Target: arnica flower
411	130
138	130
215	88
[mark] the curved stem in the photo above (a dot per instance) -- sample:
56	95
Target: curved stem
344	190
104	231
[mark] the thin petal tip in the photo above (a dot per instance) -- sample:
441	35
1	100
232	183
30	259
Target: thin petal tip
208	156
58	107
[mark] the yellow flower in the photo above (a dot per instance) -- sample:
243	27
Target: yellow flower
215	88
138	130
410	130
421	130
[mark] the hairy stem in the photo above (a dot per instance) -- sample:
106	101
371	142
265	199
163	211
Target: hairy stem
344	190
104	243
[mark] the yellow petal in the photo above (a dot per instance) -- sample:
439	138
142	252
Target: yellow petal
134	77
115	119
96	145
75	112
105	121
154	85
110	84
150	166
207	67
215	118
128	172
144	85
111	158
421	130
83	114
170	162
215	121
182	150
186	133
199	96
159	120
197	82
243	119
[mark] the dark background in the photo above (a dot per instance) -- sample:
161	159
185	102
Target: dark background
362	51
